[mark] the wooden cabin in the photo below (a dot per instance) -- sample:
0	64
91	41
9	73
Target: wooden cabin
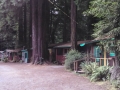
94	52
59	50
12	54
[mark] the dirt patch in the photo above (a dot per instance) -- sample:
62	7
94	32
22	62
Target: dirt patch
42	77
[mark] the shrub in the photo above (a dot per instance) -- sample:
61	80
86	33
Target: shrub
5	59
71	56
95	72
89	67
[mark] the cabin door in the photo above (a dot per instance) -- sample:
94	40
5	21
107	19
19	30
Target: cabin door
97	53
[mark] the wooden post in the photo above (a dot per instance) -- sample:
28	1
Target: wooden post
74	66
107	60
104	57
56	54
95	60
87	55
113	62
50	55
100	61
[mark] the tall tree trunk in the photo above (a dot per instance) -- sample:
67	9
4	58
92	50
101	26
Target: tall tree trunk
117	61
73	25
65	25
17	32
25	26
20	29
30	25
45	29
34	31
40	3
50	25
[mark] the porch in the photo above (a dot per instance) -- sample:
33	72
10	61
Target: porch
99	61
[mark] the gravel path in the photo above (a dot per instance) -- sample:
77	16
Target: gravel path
46	77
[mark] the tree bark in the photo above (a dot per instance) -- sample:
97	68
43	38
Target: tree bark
40	3
117	62
34	31
45	27
73	25
65	23
25	26
20	29
30	25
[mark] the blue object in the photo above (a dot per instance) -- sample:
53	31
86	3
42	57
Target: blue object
112	54
25	56
97	52
113	39
83	44
97	60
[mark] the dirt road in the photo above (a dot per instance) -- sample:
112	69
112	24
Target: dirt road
45	77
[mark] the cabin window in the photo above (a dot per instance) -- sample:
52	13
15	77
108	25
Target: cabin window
97	52
60	51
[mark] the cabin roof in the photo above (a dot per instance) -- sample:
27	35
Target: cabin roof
68	44
13	50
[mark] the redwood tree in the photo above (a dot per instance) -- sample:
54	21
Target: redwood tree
34	30
40	25
73	25
40	3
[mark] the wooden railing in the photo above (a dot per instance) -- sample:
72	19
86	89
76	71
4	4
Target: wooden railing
76	64
105	60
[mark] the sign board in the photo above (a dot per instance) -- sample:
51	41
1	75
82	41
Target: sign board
112	54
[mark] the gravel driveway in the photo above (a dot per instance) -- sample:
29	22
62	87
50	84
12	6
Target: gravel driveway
46	77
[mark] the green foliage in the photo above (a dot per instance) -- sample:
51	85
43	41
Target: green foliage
9	22
71	56
4	59
100	73
95	72
116	83
89	67
108	14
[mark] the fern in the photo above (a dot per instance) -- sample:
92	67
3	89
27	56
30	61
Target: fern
101	73
95	72
89	67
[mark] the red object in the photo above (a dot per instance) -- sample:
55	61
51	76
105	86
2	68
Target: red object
60	58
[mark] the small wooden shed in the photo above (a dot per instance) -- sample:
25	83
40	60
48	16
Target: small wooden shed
11	52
